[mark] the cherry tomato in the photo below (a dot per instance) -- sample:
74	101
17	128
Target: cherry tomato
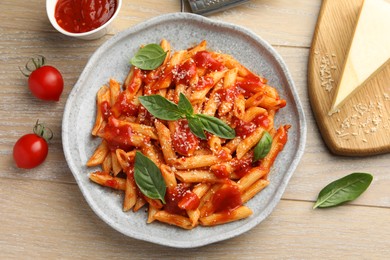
31	149
45	82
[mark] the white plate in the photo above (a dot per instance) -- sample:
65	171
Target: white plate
182	30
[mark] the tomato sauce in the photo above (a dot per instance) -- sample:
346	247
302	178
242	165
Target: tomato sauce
78	16
172	197
117	136
185	72
123	106
223	155
152	76
242	166
164	80
251	83
227	198
106	109
228	95
144	116
112	183
190	201
204	82
203	59
244	129
184	141
261	120
282	135
135	84
221	171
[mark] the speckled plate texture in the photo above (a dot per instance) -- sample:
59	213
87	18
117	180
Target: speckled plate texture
182	30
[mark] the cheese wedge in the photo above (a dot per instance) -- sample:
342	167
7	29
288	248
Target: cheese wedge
369	50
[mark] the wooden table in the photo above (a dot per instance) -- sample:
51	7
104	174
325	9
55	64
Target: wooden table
44	215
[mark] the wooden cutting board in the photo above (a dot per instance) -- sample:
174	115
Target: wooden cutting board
362	125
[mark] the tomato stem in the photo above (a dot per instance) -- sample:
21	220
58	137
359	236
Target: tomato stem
37	61
44	132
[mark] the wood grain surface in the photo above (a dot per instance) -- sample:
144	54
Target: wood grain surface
44	215
362	125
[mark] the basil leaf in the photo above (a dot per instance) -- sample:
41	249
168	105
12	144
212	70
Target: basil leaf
164	109
185	105
263	147
342	190
161	107
148	177
216	126
149	57
196	127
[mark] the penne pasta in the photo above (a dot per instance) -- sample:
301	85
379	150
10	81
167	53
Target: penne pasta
208	82
165	140
239	107
211	105
125	160
107	164
197	161
196	176
103	98
279	140
232	144
130	194
200	47
107	180
253	112
214	143
166	46
194	171
193	215
206	203
248	143
271	103
168	175
222	218
115	89
255	188
139	203
99	155
201	189
150	151
116	167
173	219
151	213
251	177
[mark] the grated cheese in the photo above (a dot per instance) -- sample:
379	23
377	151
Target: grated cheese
367	120
327	64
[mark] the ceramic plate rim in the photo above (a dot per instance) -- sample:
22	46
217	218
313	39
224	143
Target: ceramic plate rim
287	174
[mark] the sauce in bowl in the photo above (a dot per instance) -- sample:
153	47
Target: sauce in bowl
78	16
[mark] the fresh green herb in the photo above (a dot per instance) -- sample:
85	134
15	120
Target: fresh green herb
342	190
164	109
196	127
263	147
161	107
149	57
216	126
148	177
185	105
